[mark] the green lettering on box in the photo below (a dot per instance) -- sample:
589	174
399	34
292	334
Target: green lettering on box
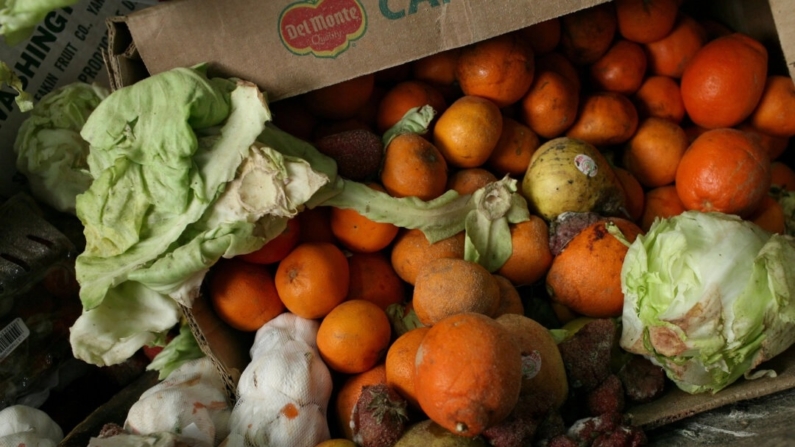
388	13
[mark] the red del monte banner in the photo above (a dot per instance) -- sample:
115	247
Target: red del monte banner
324	28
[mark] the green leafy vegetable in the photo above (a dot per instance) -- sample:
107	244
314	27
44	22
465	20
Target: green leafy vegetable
787	201
179	182
180	349
484	215
50	151
18	18
415	120
709	297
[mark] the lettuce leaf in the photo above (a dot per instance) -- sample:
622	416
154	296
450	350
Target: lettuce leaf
18	18
180	349
50	152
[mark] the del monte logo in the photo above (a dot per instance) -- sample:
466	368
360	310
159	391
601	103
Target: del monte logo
324	28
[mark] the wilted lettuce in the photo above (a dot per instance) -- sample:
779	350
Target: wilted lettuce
50	151
18	18
709	297
179	350
179	181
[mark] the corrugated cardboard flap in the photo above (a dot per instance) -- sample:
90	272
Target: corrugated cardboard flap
226	347
677	404
122	60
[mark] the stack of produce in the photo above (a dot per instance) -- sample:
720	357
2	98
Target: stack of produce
504	244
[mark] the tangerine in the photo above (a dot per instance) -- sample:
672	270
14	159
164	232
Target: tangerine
447	286
468	373
313	279
413	166
723	170
724	81
586	276
354	336
468	131
412	250
243	295
500	69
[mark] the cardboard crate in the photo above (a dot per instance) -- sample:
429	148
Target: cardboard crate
300	49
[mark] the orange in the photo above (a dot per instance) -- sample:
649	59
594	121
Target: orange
468	180
404	96
551	105
400	359
354	336
588	33
634	192
586	276
646	21
770	216
782	175
315	225
277	248
775	112
373	279
510	300
659	96
468	131
653	153
774	146
413	166
530	256
500	69
412	250
723	170
448	286
660	203
557	62
358	233
243	295
468	373
438	69
543	37
342	100
605	118
293	117
514	149
313	279
724	81
621	69
670	55
349	392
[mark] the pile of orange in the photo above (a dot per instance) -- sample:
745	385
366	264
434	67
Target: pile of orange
691	116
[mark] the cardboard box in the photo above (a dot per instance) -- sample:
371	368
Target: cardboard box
289	48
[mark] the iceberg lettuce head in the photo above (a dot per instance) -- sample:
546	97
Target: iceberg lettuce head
179	181
708	297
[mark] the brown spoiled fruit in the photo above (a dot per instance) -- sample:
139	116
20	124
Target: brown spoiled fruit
448	286
543	371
